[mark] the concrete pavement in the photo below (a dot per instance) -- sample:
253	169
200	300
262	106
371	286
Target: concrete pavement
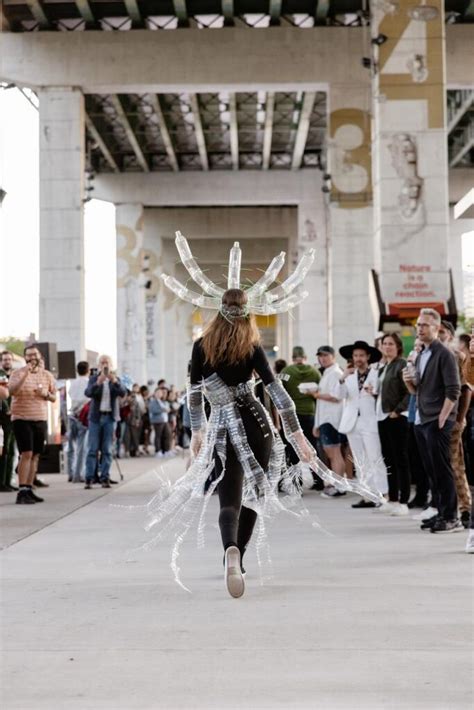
375	615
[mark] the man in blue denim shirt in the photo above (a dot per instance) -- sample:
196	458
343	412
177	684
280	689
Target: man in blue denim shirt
104	389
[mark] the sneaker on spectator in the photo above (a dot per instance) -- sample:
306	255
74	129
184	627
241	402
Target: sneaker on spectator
390	506
425	514
417	503
363	504
22	497
33	495
331	492
399	509
428	524
465	518
39	483
159	455
381	507
470	542
447	526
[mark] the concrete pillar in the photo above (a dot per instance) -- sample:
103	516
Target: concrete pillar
168	319
61	121
131	288
310	319
410	155
351	247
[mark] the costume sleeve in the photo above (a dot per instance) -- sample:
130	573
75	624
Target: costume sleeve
194	390
261	366
285	406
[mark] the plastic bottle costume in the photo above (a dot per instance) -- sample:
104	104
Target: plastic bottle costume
176	509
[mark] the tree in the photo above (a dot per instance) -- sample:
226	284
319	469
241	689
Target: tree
13	344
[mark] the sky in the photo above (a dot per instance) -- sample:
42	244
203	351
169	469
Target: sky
19	236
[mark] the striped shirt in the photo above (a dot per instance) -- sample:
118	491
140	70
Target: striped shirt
26	403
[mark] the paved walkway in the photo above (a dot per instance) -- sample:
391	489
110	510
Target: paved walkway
376	615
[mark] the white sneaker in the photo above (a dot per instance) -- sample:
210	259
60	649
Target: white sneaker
233	578
399	509
386	508
470	542
427	513
159	455
329	492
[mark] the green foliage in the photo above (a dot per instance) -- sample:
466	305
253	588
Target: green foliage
465	323
13	344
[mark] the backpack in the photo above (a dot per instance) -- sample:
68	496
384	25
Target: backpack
83	415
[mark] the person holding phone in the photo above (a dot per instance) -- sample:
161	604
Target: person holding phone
104	389
31	387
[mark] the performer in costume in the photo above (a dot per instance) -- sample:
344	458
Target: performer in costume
239	439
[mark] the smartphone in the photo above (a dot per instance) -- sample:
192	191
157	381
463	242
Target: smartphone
106	371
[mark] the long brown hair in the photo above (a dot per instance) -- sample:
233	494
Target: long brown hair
397	340
230	338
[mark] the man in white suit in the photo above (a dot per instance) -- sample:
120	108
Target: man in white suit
357	387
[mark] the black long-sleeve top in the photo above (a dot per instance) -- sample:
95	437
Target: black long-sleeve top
232	375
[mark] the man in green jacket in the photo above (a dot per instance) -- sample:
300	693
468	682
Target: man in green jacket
292	376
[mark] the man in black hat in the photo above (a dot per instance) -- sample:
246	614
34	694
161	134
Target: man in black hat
357	387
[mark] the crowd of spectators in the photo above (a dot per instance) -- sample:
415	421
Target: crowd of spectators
404	425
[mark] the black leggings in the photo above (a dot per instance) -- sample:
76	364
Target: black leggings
394	440
237	522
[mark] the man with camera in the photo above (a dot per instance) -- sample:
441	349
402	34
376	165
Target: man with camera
31	388
104	389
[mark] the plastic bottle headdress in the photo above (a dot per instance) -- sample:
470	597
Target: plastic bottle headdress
260	299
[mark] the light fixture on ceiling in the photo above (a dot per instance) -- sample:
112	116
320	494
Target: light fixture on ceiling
388	7
423	12
452	17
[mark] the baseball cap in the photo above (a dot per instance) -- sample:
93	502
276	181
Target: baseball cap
325	350
298	351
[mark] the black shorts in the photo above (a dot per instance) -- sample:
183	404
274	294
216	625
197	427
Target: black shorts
30	436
